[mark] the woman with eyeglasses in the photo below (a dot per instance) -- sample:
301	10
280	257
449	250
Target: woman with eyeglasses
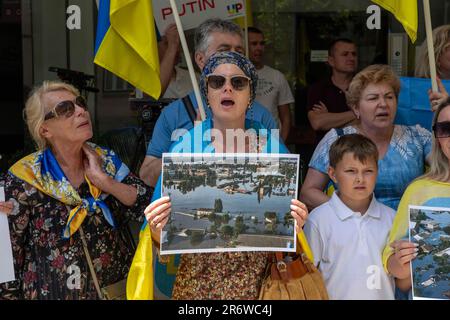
431	190
66	205
228	83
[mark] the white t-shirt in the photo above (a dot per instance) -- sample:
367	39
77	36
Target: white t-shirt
180	86
273	90
348	248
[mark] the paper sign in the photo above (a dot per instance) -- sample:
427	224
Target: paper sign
6	258
319	55
193	13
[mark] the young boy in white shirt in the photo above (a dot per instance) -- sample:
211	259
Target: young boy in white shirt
348	233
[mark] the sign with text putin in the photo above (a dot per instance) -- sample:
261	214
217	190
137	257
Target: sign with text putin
193	13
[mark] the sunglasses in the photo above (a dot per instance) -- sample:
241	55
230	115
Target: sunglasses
66	108
442	129
238	83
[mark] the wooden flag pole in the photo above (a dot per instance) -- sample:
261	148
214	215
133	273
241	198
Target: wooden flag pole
187	56
430	45
246	31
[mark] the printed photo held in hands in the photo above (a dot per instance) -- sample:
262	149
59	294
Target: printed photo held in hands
222	203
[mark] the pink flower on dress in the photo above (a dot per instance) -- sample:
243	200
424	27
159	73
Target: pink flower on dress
29	277
105	259
58	262
43	239
39	223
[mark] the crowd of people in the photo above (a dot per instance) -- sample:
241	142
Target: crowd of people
68	203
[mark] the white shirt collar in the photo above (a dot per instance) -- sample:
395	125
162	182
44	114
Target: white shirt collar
343	212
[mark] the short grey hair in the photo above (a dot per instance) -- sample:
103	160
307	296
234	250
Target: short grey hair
204	31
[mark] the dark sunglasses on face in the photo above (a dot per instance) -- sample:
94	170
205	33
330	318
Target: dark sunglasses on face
66	108
238	83
442	129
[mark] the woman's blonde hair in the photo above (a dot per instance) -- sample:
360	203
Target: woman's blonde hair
374	74
34	111
439	163
441	40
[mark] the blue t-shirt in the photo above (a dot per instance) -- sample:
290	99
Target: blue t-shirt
403	162
175	116
199	141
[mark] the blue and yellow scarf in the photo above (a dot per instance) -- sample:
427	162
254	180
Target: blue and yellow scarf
42	171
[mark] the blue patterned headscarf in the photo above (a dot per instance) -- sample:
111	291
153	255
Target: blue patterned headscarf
231	57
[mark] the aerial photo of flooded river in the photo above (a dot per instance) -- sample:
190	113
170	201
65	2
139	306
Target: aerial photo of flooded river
229	205
430	228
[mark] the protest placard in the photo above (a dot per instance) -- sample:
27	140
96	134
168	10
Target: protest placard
193	13
6	261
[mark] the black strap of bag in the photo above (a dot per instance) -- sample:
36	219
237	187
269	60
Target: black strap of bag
190	108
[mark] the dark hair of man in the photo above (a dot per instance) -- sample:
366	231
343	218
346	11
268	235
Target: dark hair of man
254	30
362	148
333	44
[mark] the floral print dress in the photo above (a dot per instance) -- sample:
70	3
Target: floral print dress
220	276
47	267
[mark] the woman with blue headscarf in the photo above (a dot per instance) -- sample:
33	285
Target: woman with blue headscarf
66	205
228	83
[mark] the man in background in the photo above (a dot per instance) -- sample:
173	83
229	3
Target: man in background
326	104
175	79
273	90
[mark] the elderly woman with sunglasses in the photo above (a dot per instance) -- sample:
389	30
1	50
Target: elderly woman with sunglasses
431	190
228	83
66	204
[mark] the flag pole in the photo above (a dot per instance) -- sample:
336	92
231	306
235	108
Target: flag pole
187	56
246	30
430	45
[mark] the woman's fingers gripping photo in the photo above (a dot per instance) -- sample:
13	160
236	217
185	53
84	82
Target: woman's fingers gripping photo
404	251
299	212
157	213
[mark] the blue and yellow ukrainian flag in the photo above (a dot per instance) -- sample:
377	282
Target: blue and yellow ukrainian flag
405	11
140	277
126	43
